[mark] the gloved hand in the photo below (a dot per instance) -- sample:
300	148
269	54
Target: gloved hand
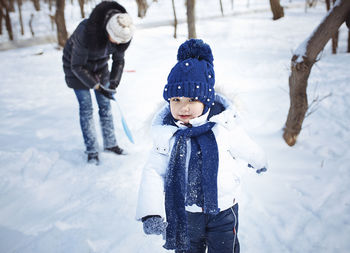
261	170
108	93
154	224
258	170
113	85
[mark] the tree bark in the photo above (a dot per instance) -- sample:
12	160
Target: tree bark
301	65
4	5
142	7
1	17
11	5
175	19
30	23
81	5
328	5
19	2
36	5
221	8
191	19
348	41
335	37
277	9
62	34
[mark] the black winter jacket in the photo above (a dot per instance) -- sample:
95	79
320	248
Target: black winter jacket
87	51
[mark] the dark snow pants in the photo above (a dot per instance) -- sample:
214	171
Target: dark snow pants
217	232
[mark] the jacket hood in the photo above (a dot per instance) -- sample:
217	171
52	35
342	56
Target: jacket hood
224	113
96	32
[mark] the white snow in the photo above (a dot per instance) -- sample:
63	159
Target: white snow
52	201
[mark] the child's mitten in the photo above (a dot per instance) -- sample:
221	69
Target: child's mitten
263	169
154	224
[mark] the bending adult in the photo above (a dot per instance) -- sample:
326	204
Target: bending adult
107	32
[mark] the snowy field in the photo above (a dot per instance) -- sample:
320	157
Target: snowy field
51	201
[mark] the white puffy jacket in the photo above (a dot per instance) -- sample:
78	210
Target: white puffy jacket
236	151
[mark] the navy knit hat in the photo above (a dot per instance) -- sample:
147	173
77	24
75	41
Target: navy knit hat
193	75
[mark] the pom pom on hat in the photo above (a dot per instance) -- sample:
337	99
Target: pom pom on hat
193	75
195	48
120	27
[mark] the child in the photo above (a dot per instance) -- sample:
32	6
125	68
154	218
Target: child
192	175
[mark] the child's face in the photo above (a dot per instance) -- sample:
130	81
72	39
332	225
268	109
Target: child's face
185	109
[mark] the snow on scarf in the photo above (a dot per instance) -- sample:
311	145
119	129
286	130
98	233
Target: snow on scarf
201	188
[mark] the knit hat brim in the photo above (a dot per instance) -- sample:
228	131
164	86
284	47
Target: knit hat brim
197	90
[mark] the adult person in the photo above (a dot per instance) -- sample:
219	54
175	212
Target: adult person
107	32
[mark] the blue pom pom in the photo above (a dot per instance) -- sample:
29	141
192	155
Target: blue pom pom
195	48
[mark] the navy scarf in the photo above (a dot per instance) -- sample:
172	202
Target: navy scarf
201	187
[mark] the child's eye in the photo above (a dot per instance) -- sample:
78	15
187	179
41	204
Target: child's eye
175	99
193	100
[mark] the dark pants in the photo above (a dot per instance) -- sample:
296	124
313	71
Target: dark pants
217	232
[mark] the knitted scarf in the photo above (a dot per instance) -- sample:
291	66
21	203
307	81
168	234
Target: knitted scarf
201	188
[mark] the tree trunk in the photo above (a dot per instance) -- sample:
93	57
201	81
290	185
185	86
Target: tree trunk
302	63
349	41
142	7
191	19
81	5
36	5
1	17
221	8
8	24
328	4
335	37
4	5
11	5
62	34
277	9
19	2
348	25
31	24
175	19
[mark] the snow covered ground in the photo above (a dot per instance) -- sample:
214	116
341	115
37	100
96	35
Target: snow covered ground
52	201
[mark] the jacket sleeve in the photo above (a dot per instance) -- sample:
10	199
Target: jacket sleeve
117	69
79	59
151	191
244	148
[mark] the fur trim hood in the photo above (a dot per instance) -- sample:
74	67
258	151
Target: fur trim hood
226	118
96	33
